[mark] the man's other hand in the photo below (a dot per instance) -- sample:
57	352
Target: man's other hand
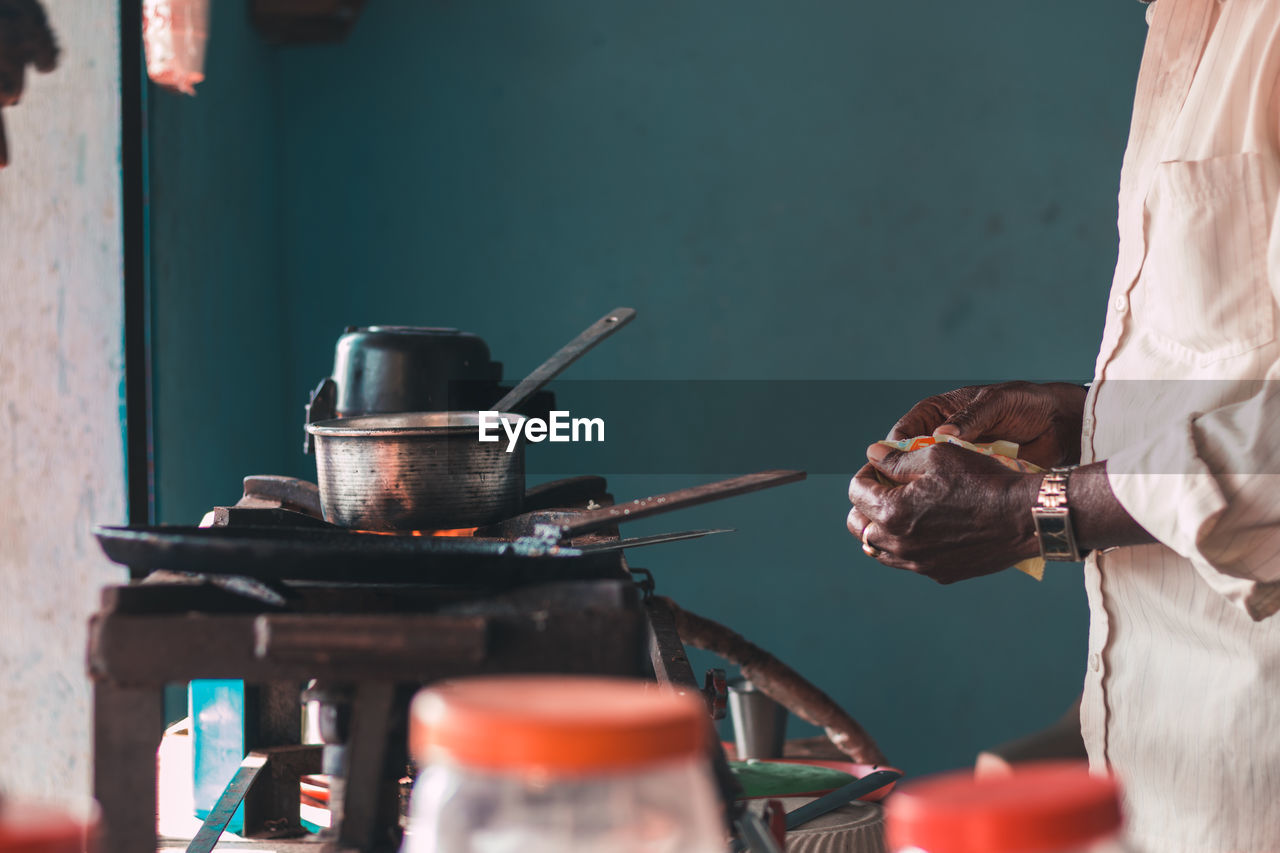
1044	419
948	513
1061	741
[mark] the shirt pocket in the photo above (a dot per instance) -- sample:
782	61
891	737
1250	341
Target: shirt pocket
1204	294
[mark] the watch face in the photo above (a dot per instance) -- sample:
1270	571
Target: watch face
1053	529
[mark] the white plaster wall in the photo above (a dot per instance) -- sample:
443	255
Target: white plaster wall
61	343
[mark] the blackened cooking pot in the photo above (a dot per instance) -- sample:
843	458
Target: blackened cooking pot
415	471
382	369
410	369
430	470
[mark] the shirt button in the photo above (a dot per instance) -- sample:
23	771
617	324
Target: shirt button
1120	303
1095	661
1087	422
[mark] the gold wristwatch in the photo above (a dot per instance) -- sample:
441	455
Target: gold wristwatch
1052	517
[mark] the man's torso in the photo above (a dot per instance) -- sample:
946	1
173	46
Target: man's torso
1182	690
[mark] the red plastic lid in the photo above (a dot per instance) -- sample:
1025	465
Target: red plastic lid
558	725
1040	807
37	829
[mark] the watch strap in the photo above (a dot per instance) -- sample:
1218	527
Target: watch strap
1052	518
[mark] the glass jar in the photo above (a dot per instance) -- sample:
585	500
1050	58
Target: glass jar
558	764
1042	807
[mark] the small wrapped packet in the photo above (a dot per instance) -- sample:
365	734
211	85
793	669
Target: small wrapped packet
1004	452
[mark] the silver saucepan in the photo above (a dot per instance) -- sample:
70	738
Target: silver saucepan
429	470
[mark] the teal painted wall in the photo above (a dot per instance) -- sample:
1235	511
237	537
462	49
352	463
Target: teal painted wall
221	404
818	190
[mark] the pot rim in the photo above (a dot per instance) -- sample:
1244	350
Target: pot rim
403	424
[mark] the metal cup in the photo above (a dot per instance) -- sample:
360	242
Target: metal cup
759	723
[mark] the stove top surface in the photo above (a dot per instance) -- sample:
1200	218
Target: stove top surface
335	555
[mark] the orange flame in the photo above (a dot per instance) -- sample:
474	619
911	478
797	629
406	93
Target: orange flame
448	532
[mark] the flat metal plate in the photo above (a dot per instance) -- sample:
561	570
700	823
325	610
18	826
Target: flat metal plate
302	554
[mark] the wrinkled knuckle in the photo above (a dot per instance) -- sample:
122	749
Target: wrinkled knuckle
984	392
853	521
907	425
894	519
857	483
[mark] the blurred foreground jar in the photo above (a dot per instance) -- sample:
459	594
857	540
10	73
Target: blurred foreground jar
32	828
1048	807
556	764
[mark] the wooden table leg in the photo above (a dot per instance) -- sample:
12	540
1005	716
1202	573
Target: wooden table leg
128	723
365	808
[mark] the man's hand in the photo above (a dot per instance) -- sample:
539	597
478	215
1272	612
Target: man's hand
1044	419
952	513
25	39
1059	742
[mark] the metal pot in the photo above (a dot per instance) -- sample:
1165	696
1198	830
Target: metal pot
385	369
429	470
410	369
415	471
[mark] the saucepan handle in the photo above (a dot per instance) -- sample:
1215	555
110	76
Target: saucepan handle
567	355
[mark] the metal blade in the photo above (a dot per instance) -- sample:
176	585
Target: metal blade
655	539
214	825
595	519
841	796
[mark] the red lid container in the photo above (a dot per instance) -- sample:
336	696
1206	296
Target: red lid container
1041	807
556	725
37	829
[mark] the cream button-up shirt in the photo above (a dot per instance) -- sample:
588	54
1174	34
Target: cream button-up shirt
1182	681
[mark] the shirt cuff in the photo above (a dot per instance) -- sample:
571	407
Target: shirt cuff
1169	490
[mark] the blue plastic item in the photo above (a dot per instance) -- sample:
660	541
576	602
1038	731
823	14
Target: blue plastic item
217	742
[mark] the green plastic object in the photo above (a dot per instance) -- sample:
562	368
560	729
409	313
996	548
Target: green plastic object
770	779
